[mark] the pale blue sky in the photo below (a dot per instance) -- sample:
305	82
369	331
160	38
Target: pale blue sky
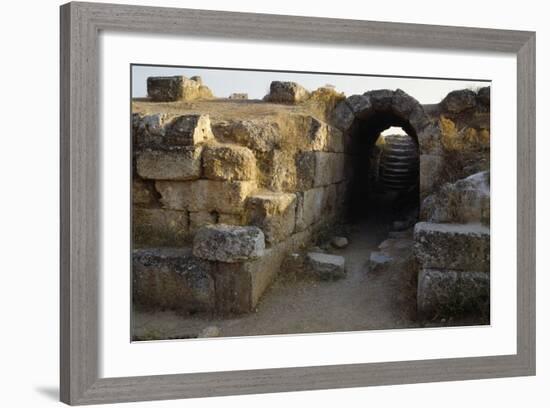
256	83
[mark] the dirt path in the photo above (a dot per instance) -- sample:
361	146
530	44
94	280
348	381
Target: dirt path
361	301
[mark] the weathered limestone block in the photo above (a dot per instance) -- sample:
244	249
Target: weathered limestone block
147	127
458	101
317	169
286	92
188	130
326	266
274	213
240	285
278	170
467	200
143	192
381	99
445	293
159	227
173	163
229	162
462	247
323	137
258	135
309	207
205	195
228	243
172	278
198	219
176	88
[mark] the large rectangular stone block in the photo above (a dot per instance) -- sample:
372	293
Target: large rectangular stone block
175	163
229	162
446	293
316	169
172	278
324	138
159	227
274	213
228	243
309	207
205	195
462	247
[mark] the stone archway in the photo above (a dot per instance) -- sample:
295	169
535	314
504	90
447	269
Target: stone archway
408	112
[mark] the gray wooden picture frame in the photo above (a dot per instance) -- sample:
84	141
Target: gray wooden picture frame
80	233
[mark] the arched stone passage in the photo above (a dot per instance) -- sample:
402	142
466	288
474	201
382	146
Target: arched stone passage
363	117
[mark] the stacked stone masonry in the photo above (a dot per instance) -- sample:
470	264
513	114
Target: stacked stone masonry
196	176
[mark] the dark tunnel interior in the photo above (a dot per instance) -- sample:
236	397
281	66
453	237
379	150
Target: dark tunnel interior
385	170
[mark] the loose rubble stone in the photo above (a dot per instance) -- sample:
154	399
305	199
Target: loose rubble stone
467	200
188	130
226	197
339	242
379	262
274	213
325	266
286	92
462	247
175	163
172	278
228	243
159	227
229	162
447	293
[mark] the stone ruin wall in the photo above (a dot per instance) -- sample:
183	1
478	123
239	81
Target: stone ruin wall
287	174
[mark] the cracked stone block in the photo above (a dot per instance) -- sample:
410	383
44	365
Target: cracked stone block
274	213
228	243
326	266
174	163
229	162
